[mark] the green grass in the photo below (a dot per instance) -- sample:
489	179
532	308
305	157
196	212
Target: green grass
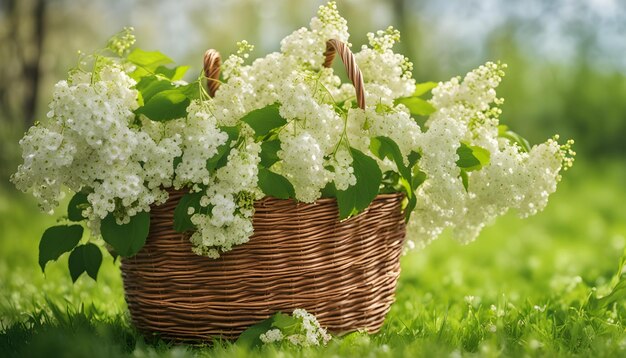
522	289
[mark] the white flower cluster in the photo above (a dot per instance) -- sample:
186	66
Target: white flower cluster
315	141
90	142
94	142
271	336
229	196
308	46
309	140
343	173
387	74
225	217
512	179
201	138
307	333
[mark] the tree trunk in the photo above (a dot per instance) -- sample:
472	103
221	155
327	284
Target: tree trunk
21	51
399	11
32	66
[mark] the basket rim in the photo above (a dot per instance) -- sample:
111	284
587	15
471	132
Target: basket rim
186	190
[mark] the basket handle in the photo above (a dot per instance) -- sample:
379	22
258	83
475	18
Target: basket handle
212	63
335	46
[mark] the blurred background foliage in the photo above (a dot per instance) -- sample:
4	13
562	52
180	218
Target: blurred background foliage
566	59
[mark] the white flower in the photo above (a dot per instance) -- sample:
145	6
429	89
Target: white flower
387	74
271	336
313	334
306	333
200	140
343	174
303	164
230	194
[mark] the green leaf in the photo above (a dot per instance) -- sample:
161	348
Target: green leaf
390	183
383	108
416	105
405	186
177	160
466	158
264	120
288	324
329	191
504	132
410	205
147	61
617	294
56	241
140	102
76	206
465	179
269	153
472	157
422	88
250	337
232	132
182	220
165	106
413	158
385	147
409	178
174	74
85	258
368	178
129	238
192	90
346	202
151	85
221	157
418	177
275	185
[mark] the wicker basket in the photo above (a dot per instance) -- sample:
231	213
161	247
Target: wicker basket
300	256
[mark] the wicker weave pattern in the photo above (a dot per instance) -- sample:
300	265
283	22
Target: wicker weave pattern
300	256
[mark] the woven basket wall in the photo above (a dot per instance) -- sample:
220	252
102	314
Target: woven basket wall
300	256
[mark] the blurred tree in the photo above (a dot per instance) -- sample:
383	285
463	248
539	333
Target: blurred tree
400	10
21	45
579	99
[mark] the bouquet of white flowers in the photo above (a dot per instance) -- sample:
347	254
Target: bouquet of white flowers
128	133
